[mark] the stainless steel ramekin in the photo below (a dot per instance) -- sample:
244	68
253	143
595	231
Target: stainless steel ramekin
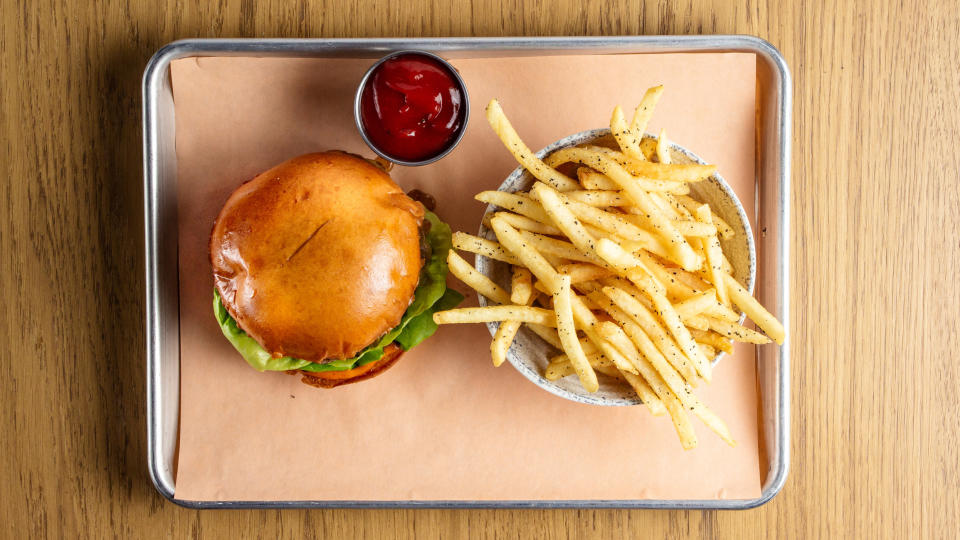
465	109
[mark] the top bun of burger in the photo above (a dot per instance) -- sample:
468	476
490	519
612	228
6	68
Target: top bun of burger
317	257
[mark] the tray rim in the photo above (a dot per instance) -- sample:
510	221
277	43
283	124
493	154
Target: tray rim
154	79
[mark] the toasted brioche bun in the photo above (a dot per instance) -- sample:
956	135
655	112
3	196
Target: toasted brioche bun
318	257
332	379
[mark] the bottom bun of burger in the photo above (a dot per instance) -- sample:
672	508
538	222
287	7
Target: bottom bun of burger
332	379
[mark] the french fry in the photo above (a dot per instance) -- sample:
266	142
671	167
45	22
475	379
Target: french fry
592	180
672	172
515	202
723	313
513	241
543	288
726	231
477	281
712	339
581	272
560	365
714	255
694	228
628	140
646	242
736	332
757	313
554	260
625	263
560	248
696	304
589	304
502	340
588	287
521	293
641	117
712	421
568	336
680	209
675	287
487	314
558	368
675	181
522	153
611	371
615	335
681	422
696	321
482	246
649	147
524	223
727	267
587	345
668	211
563	217
707	351
542	300
687	280
692	280
598	198
565	368
663	148
704	303
641	387
521	286
546	333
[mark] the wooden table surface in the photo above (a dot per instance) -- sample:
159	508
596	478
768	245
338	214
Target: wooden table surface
876	259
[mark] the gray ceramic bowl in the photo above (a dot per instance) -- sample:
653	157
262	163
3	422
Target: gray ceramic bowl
530	354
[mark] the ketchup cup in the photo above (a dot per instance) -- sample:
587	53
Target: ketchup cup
411	107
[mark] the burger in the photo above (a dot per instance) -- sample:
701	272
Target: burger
324	267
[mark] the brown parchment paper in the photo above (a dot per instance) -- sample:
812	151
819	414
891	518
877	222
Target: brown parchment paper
443	424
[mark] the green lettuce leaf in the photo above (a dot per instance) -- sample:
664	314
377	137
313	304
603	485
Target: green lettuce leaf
422	326
248	347
416	324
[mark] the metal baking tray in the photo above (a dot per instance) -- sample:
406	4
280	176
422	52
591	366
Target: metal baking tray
774	105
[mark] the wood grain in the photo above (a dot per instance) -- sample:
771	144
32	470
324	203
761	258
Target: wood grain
876	255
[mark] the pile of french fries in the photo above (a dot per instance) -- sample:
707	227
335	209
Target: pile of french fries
620	269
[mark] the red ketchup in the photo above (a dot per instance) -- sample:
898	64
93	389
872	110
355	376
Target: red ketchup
411	107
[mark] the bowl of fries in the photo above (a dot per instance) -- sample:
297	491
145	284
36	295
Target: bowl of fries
535	348
614	268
